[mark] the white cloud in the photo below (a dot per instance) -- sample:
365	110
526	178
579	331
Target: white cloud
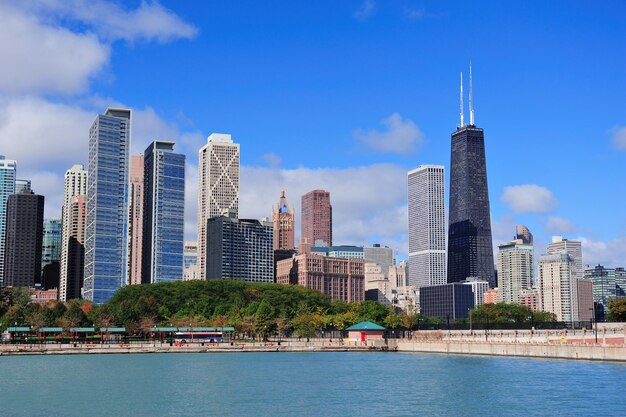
272	159
402	136
150	21
529	198
559	225
369	202
365	11
610	253
41	58
619	138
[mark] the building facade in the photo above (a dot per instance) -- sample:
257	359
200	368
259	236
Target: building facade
21	184
340	278
470	251
515	270
108	187
479	288
71	268
218	187
316	219
135	223
607	283
557	286
343	251
8	168
448	301
240	249
427	226
584	294
523	233
380	255
491	296
190	261
283	220
51	243
573	248
24	235
163	213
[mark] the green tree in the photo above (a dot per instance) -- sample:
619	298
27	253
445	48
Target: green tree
617	309
393	319
264	320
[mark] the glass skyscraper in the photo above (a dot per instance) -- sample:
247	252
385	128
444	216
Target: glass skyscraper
7	187
51	246
470	250
106	242
163	213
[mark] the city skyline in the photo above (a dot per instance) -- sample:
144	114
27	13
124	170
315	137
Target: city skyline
365	172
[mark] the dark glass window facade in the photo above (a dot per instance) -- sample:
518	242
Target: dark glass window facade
470	250
448	301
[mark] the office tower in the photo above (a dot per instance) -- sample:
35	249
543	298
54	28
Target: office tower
522	232
340	278
479	288
135	224
557	286
398	275
106	237
22	185
282	217
382	256
73	233
343	251
584	294
448	301
190	261
164	213
573	248
317	219
377	286
515	270
7	187
427	226
51	243
607	283
218	187
470	251
24	234
239	249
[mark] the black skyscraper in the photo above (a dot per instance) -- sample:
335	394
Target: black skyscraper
470	250
24	235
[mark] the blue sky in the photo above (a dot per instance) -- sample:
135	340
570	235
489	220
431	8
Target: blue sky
346	96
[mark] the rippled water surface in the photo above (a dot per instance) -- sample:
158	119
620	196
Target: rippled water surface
307	384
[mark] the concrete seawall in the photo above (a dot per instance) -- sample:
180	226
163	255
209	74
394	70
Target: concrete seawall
541	350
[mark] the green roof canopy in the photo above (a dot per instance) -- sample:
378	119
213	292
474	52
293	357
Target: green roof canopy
164	329
366	325
83	330
51	330
18	329
113	329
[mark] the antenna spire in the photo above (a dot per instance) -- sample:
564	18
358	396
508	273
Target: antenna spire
471	102
461	97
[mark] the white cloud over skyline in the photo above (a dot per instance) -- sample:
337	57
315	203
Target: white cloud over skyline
529	198
401	136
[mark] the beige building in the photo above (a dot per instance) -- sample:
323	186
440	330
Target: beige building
72	228
190	261
557	286
340	278
282	217
515	270
573	248
218	187
135	224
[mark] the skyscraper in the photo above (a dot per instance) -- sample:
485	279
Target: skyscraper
557	286
522	232
22	185
24	232
282	217
515	270
51	243
190	261
470	251
317	219
136	218
573	248
427	226
106	240
164	213
218	187
73	233
7	187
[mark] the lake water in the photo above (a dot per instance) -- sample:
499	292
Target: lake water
307	384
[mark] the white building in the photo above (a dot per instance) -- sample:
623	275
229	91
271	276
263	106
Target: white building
515	270
479	288
75	184
218	186
557	286
573	248
427	230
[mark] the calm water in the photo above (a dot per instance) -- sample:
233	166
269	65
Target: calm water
307	384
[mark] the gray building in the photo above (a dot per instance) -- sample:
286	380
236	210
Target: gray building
382	256
448	301
24	233
341	251
163	213
607	283
106	230
240	249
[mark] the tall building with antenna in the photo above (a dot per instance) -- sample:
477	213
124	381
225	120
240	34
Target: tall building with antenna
470	251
